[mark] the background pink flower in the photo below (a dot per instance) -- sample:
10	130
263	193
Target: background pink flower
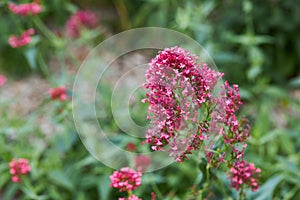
18	167
126	179
131	197
2	80
130	147
80	20
142	162
59	93
25	9
24	39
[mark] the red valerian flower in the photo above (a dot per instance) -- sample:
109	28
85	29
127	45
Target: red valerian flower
126	179
2	80
58	93
188	112
179	87
18	167
131	197
25	9
19	41
82	19
244	173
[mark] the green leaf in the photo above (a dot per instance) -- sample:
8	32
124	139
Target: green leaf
262	123
271	135
86	161
89	182
289	166
80	195
104	188
253	72
199	178
287	144
295	82
30	55
265	192
5	178
60	178
183	17
10	191
245	94
276	92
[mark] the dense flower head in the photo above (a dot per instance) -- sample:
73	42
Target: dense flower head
126	179
25	9
131	197
24	39
244	173
58	93
188	112
178	88
18	167
142	162
82	19
2	80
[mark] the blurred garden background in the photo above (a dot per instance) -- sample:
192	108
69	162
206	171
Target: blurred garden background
255	43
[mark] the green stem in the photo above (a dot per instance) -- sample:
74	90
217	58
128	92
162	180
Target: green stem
248	12
241	193
61	57
207	182
129	193
44	29
213	151
17	23
207	174
43	65
155	188
27	186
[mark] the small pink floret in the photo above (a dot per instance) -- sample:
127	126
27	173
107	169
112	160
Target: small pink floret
126	179
82	19
19	41
19	167
25	9
58	93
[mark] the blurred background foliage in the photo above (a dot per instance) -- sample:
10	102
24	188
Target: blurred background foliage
251	41
255	43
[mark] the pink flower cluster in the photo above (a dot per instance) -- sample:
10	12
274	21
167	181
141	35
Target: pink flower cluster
227	103
179	87
24	39
19	167
185	111
244	173
126	179
58	93
131	197
81	19
142	162
2	80
25	9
